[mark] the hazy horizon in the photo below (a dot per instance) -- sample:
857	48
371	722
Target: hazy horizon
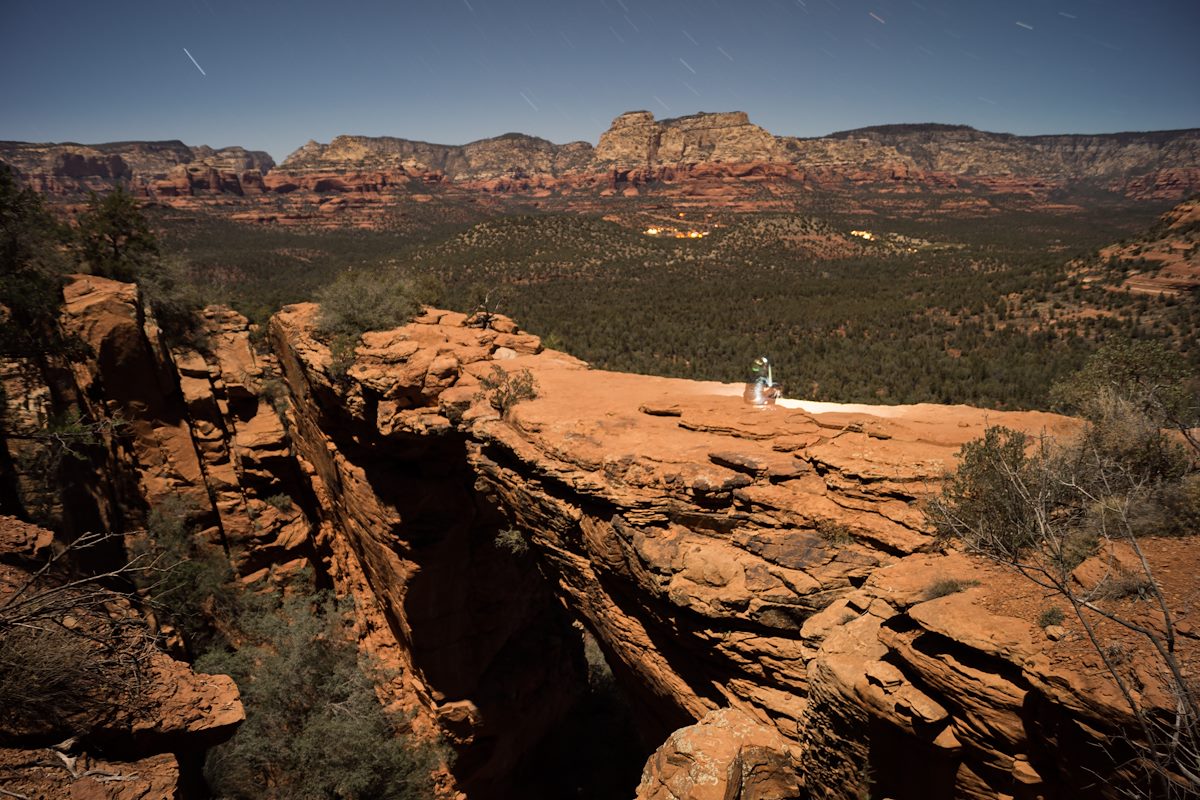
273	75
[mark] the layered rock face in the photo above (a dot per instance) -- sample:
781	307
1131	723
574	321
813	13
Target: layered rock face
1163	261
1149	165
965	151
510	154
483	654
69	167
637	140
195	427
719	156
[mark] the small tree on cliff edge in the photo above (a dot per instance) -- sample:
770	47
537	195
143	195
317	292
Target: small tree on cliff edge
114	239
1042	507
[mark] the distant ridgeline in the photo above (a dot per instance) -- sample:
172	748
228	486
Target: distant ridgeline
637	148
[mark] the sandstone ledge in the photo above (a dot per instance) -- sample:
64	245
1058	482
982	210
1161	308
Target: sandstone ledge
773	561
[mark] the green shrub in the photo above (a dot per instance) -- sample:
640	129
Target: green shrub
504	390
945	586
513	541
361	300
193	586
314	728
274	392
1122	585
280	502
1145	373
1051	615
341	356
175	301
978	502
834	532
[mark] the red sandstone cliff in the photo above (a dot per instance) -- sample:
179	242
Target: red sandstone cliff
760	580
774	562
1144	164
719	156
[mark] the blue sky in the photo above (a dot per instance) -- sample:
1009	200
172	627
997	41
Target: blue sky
280	73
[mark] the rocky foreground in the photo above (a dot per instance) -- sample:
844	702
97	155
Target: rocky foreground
761	581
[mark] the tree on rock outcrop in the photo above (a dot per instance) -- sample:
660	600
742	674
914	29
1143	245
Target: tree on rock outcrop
114	238
1080	518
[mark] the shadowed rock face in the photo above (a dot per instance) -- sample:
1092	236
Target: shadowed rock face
507	155
70	168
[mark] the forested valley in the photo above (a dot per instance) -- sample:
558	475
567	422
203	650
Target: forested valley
987	310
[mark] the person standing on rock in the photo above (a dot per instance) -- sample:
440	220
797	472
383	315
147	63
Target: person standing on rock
761	390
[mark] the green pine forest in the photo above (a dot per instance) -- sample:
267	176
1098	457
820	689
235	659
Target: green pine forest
981	310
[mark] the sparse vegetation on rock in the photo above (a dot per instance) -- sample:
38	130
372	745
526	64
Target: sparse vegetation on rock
1042	507
192	587
504	390
1051	615
512	541
359	301
945	586
73	653
314	728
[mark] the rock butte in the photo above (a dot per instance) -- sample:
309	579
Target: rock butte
758	580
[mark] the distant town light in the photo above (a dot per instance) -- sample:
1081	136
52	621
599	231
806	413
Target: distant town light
678	234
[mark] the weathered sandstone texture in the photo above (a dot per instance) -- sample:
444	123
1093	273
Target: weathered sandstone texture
637	140
774	562
507	155
126	739
482	653
70	167
718	157
725	756
1163	261
762	582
